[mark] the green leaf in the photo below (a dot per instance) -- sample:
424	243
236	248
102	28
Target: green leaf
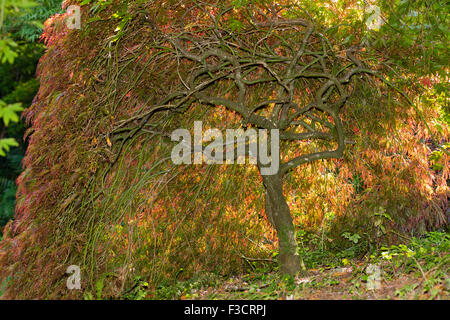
10	113
38	24
239	3
6	144
7	54
99	287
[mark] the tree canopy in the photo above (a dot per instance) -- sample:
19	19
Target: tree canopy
363	130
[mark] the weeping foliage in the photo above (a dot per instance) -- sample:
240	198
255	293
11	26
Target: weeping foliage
99	189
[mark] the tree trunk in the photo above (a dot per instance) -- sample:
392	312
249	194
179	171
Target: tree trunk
279	215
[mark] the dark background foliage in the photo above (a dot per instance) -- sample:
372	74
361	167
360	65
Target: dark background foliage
18	83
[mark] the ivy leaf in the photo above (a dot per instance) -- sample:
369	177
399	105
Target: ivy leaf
10	113
6	144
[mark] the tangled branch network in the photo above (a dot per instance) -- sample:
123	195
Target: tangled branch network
274	73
